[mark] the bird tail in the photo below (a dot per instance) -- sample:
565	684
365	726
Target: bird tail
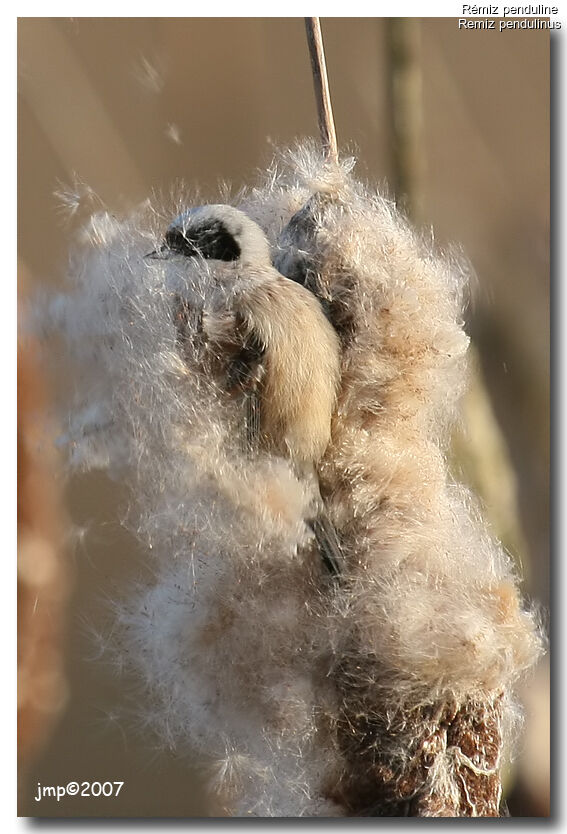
328	542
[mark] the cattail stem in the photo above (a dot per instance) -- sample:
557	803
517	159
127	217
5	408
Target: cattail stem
321	86
405	100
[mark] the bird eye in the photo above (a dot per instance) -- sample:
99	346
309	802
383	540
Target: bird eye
178	242
212	242
217	242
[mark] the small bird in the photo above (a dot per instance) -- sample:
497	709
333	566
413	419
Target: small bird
277	349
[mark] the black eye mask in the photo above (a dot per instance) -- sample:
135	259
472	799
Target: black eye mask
213	242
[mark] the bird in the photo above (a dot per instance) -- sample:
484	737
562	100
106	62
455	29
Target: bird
278	351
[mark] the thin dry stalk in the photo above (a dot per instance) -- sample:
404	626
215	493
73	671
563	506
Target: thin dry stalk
405	97
321	86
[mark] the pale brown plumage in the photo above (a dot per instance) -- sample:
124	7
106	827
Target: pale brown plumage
272	345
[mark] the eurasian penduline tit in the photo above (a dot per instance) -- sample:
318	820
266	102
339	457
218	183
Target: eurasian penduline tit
273	345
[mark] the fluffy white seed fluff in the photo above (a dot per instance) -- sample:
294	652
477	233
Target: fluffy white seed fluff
245	648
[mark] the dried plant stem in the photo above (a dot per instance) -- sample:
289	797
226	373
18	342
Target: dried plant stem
321	85
405	94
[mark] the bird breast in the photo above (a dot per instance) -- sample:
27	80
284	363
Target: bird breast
301	363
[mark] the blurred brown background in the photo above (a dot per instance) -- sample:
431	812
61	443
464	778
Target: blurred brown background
128	106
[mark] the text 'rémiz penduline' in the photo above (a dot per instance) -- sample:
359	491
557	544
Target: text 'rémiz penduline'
511	17
507	11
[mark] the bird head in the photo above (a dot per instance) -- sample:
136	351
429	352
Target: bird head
215	232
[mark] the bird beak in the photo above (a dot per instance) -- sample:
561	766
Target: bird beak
158	254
